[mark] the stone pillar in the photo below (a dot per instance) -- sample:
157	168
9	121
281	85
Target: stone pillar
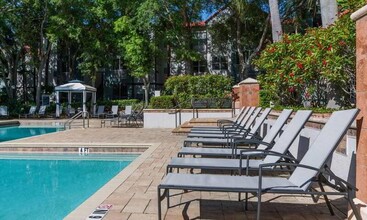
360	17
249	92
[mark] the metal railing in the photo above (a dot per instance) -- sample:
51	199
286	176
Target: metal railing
83	115
175	112
206	103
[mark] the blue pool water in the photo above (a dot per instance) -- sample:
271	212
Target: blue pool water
17	132
45	188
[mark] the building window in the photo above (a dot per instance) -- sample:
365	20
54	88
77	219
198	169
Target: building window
220	63
200	40
199	66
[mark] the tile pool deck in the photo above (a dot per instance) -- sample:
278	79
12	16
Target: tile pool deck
134	192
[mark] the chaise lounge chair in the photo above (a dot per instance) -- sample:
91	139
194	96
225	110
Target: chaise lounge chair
225	122
232	120
100	112
4	111
242	119
277	153
137	115
311	169
42	111
250	139
238	131
225	133
114	112
31	113
125	115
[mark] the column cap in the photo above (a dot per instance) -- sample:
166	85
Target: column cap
248	81
360	13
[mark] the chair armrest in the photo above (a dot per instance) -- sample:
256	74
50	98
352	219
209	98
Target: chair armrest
263	153
261	166
252	141
337	179
227	126
260	152
288	164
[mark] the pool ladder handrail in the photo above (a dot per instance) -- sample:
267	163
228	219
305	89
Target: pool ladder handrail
84	115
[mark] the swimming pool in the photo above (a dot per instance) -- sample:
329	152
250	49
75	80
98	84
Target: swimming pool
51	186
9	133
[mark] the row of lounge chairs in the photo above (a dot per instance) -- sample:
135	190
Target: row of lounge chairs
129	116
243	150
33	112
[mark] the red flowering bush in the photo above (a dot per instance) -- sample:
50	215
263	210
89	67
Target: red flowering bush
311	66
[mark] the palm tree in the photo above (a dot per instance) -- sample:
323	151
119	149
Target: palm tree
276	25
329	11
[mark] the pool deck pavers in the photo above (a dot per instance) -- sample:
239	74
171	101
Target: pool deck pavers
135	197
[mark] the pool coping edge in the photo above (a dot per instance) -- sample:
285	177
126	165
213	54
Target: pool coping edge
89	205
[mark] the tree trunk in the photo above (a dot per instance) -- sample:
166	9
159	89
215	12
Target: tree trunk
259	46
42	65
276	25
241	67
329	12
146	90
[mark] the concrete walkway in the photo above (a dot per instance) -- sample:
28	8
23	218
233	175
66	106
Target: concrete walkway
136	196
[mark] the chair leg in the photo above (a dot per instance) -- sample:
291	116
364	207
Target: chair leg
258	205
167	195
327	200
160	199
246	201
159	204
353	206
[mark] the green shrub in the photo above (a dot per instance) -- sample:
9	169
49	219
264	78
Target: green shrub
16	107
310	67
186	87
162	102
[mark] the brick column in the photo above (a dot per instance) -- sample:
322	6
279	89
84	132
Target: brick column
360	17
249	92
235	96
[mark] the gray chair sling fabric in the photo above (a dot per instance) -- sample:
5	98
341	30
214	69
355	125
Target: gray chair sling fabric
4	111
31	113
42	111
312	168
278	151
100	112
114	112
232	143
225	133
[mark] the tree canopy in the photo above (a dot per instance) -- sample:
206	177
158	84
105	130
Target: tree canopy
85	37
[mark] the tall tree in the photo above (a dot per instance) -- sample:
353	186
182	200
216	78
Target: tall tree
138	50
34	35
175	22
11	46
241	25
85	30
